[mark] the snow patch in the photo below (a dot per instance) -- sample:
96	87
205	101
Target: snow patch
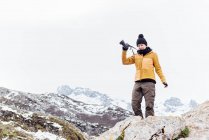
44	135
86	99
27	115
6	108
5	123
41	135
11	94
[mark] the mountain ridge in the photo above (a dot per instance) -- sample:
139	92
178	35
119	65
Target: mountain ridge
170	106
90	118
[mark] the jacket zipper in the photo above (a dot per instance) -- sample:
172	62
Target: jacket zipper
142	61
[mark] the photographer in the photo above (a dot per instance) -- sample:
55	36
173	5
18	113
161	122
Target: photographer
145	61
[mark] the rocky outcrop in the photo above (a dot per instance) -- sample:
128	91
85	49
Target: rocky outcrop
193	125
197	121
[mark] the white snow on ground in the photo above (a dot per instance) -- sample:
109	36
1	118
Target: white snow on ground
86	99
11	94
5	123
57	125
89	109
97	109
27	115
41	135
70	101
56	101
3	107
63	109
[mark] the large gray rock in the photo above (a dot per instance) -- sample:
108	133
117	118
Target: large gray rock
196	120
144	129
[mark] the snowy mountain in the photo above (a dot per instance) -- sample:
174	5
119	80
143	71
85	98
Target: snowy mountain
171	106
174	106
90	118
85	95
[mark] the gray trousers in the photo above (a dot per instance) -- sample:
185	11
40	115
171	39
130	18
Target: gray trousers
146	90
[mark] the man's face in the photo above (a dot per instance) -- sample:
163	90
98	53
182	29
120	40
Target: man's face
141	46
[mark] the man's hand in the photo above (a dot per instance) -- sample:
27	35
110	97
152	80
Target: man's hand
165	84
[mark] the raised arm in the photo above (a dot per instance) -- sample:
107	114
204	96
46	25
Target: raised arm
125	60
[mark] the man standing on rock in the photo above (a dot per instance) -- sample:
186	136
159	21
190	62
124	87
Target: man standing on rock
145	61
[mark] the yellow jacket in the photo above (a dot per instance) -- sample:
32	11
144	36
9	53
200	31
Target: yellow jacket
144	65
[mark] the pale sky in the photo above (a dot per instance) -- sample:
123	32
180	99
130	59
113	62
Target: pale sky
48	43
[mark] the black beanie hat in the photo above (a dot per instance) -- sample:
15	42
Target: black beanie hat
141	40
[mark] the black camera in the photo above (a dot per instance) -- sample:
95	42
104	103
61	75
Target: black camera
123	43
126	45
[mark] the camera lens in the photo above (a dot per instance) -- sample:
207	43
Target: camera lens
122	43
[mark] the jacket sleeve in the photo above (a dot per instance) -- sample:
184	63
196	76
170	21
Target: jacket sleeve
129	60
158	69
